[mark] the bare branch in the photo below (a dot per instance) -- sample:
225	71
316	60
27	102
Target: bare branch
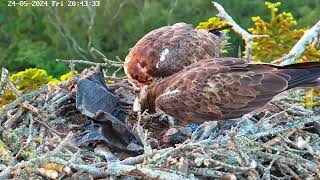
10	85
115	168
301	45
105	59
20	100
4	80
248	38
87	62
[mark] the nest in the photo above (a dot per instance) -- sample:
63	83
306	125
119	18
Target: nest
39	129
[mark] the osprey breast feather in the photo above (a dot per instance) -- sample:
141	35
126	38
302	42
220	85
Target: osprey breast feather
167	50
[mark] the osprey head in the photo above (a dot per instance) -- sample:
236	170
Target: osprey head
136	72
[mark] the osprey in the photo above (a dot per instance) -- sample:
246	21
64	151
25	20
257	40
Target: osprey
167	50
224	88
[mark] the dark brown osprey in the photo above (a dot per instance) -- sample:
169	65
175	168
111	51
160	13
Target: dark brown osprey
224	88
167	50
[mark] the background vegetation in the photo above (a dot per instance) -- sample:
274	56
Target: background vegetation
36	36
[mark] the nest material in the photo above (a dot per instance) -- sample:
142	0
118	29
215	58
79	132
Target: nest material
39	128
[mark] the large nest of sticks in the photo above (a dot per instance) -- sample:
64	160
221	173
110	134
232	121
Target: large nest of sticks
39	133
84	129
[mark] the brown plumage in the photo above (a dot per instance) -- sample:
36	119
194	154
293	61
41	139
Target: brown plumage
167	50
223	89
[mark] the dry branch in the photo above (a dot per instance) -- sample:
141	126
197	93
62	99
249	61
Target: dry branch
245	35
300	46
25	97
118	169
4	80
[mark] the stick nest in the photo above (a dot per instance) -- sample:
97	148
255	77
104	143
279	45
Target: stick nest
38	132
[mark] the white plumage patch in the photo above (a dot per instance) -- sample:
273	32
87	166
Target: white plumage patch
163	54
171	92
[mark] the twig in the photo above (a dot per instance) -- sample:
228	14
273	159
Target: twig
278	61
13	119
248	38
118	169
31	121
289	170
105	59
114	74
72	68
37	112
301	45
63	143
243	156
96	172
267	170
88	63
133	160
8	83
13	89
4	80
47	158
143	135
225	165
23	98
210	172
296	123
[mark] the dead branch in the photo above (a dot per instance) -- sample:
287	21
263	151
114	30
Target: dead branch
88	63
21	99
13	119
248	38
133	160
4	80
300	46
42	116
8	83
117	169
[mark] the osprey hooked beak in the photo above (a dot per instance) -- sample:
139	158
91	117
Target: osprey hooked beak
141	97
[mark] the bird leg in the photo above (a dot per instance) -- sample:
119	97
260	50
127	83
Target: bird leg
204	130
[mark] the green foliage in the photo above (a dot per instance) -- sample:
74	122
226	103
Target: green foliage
35	37
24	40
66	76
28	80
31	79
215	23
282	36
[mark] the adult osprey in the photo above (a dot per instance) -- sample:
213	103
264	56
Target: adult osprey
224	88
167	50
